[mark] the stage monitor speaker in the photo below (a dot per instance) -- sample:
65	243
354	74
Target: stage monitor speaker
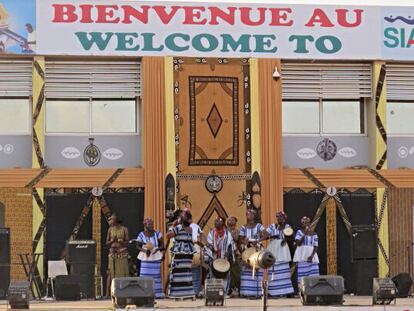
363	271
132	290
364	242
383	291
322	290
81	251
214	289
403	283
19	295
67	287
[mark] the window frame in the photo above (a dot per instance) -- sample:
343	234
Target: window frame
30	117
363	118
390	102
90	100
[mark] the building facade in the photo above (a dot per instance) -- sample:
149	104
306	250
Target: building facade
317	125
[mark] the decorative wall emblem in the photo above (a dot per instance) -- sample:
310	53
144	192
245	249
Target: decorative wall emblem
92	154
347	152
306	153
8	149
97	191
403	152
214	184
70	153
326	149
113	154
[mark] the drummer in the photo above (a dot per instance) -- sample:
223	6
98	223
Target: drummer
151	253
220	245
251	235
306	252
235	269
280	283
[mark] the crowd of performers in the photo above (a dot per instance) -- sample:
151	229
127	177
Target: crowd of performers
223	253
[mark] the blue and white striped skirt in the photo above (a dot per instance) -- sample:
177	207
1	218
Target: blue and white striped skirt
279	280
307	269
196	271
181	277
250	287
152	269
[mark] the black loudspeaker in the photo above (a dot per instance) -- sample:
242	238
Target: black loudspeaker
214	289
83	251
403	283
363	271
67	287
19	295
322	290
383	291
86	275
4	261
133	290
364	242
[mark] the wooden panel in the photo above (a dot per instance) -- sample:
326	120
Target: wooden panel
347	178
400	204
399	178
294	178
154	139
71	178
270	101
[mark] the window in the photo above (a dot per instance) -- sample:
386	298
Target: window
91	116
400	118
323	117
15	116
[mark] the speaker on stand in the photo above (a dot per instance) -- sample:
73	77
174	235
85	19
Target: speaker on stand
4	262
81	257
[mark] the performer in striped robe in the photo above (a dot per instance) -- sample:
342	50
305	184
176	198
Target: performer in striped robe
220	245
181	277
251	235
151	253
306	252
279	280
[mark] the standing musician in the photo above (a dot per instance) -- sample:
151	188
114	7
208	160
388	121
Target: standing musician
250	238
182	251
280	283
220	247
306	252
151	253
196	269
235	269
117	240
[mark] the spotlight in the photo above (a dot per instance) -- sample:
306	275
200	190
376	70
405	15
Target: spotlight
276	74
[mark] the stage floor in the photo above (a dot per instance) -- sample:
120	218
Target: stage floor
352	303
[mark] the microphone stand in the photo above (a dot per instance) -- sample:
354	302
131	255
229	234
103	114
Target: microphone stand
264	290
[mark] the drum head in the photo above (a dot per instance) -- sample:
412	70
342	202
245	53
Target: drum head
221	265
247	253
288	232
149	246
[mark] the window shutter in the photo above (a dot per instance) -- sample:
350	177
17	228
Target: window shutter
326	80
96	79
15	78
400	82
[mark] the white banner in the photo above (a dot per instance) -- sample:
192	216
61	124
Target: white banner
133	28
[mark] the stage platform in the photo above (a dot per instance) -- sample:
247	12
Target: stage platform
352	303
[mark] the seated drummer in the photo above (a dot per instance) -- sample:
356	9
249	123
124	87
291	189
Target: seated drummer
220	244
